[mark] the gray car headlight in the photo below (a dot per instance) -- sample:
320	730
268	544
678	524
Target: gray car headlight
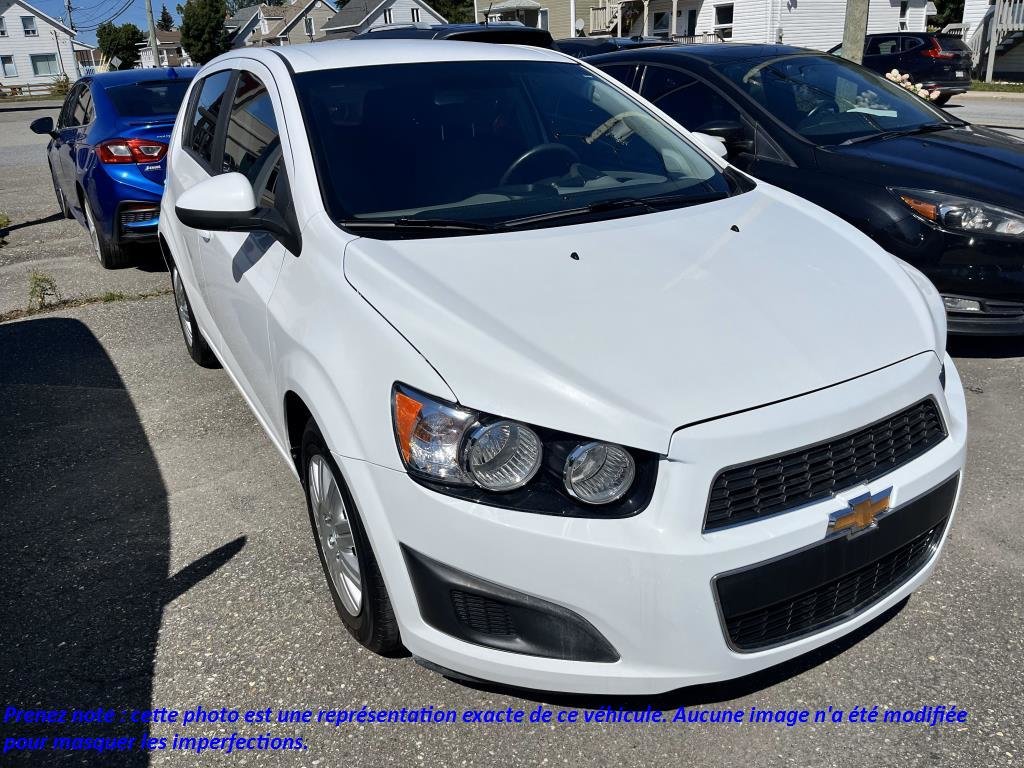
962	214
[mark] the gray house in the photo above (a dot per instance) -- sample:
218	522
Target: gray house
357	16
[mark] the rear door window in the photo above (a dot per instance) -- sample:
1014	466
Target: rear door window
204	115
882	45
154	98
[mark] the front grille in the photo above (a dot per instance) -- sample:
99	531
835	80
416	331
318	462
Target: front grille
482	614
759	489
834	601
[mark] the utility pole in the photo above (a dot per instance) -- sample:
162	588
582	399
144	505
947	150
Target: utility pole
855	29
152	33
71	22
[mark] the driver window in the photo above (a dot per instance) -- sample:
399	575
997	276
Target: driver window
252	144
68	110
687	100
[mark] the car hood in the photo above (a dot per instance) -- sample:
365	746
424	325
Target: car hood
975	161
663	320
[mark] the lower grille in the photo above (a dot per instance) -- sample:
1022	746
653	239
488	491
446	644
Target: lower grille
794	596
482	614
138	216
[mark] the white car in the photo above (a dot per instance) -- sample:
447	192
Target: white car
576	406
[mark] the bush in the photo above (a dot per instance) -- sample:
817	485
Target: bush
60	87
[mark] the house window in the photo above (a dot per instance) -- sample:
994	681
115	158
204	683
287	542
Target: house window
28	25
415	12
389	16
8	66
542	19
308	24
903	15
723	21
3	27
44	63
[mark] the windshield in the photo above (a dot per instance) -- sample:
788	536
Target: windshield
828	100
492	144
152	98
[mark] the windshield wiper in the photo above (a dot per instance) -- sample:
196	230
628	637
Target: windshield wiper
649	204
923	128
406	222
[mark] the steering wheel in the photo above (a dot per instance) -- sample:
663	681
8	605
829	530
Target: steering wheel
531	157
823	107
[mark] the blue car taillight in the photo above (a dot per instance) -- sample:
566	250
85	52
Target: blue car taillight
115	151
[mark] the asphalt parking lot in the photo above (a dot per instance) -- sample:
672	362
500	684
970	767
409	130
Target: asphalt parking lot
155	552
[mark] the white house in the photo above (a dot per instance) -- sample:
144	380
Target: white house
357	16
978	19
34	48
808	23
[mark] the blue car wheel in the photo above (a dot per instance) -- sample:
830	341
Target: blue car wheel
109	253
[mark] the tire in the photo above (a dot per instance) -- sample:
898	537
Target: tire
197	346
62	203
943	99
351	570
109	254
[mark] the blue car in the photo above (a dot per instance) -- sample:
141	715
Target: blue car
107	154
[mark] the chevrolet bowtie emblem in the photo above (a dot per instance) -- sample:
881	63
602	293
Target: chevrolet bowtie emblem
861	513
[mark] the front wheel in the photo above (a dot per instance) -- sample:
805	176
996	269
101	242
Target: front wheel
346	557
62	203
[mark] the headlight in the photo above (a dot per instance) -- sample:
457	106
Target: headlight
598	473
471	455
502	456
962	214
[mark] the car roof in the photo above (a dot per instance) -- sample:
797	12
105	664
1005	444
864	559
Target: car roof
336	54
494	32
707	53
129	76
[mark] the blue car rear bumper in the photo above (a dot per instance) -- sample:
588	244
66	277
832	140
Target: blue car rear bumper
125	200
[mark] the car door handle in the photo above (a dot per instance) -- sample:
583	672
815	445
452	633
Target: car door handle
204	234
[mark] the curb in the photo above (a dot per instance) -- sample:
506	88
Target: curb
1004	95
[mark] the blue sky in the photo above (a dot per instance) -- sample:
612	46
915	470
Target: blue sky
88	13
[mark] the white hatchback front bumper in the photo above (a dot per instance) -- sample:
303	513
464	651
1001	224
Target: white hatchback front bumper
645	583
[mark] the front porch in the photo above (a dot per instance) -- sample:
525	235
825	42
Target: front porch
678	20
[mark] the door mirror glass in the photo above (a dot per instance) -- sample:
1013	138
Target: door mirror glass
43	126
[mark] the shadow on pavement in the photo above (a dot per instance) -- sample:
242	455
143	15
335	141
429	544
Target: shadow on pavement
85	543
707	694
34	222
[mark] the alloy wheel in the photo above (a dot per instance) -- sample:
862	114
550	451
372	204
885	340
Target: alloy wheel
181	301
334	532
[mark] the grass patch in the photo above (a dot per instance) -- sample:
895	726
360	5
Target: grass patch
42	291
106	298
978	85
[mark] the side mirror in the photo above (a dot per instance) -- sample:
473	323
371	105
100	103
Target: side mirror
226	203
732	132
43	126
714	144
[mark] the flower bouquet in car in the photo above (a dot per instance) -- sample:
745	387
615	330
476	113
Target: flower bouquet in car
904	81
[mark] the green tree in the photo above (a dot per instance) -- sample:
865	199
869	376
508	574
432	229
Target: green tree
120	40
166	21
949	12
202	29
457	11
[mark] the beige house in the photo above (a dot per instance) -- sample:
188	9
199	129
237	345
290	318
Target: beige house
264	25
168	45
